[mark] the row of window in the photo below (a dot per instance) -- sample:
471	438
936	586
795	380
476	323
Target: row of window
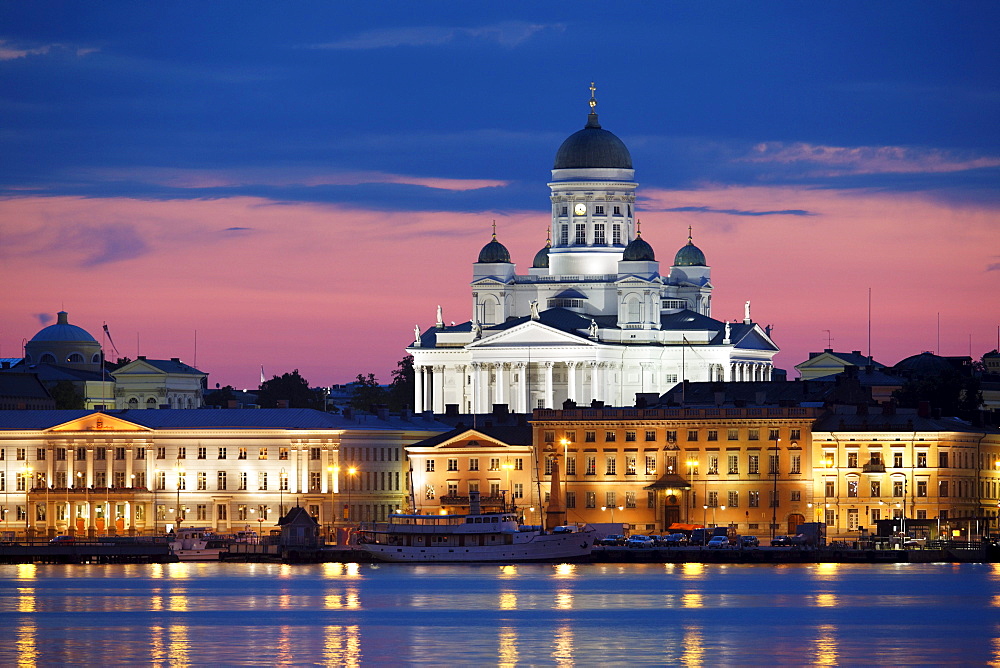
600	235
599	210
515	464
693	435
732	499
733	464
121	453
960	459
899	488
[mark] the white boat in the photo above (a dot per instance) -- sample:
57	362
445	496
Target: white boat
197	544
475	538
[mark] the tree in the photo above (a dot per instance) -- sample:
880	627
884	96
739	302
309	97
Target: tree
290	387
66	395
951	392
221	397
368	393
401	387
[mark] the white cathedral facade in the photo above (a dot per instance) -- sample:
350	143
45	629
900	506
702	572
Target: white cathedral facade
594	319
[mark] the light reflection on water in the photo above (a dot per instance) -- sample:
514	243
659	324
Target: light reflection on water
643	614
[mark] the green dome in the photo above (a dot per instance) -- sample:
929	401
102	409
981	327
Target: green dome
494	252
593	147
690	255
542	256
638	251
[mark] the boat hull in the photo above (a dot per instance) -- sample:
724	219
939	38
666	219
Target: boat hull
538	548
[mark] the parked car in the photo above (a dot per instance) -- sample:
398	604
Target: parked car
781	541
718	543
63	539
658	541
614	540
749	541
639	542
676	540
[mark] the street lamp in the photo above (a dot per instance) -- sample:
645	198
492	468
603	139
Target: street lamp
352	472
774	493
180	472
691	463
565	471
334	471
281	493
27	489
507	466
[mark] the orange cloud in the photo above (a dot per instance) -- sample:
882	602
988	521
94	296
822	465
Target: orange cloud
868	159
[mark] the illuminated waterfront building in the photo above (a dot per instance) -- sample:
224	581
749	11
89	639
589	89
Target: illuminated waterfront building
593	319
125	472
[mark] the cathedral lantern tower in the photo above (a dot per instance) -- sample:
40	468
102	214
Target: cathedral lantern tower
593	197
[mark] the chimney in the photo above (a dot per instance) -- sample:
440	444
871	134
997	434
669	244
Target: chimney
141	357
500	411
175	359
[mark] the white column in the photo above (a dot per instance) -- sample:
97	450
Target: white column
592	392
549	399
521	405
500	391
645	366
129	480
437	397
571	381
482	387
418	389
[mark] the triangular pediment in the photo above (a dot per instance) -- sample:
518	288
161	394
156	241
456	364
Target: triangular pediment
138	367
824	360
98	422
531	333
756	339
471	439
490	280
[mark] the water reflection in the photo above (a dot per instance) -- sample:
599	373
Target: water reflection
825	646
342	645
507	647
693	600
179	646
565	570
25	643
825	601
508	601
693	646
827	571
562	652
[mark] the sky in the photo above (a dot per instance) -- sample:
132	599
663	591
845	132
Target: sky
296	185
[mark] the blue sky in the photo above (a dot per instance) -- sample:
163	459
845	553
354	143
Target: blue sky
743	119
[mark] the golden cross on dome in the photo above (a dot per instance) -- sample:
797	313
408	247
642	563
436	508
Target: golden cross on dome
689	234
494	230
593	100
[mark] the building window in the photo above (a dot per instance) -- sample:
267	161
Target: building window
182	453
943	488
119	454
796	464
650	464
494	463
734	499
220	480
943	460
473	463
241	512
713	434
220	512
101	454
609	436
283	482
753	499
609	499
876	488
772	465
518	490
852	488
795	435
713	465
452	464
262	453
692	435
630	436
202	481
922	488
897	488
753	434
283	454
599	210
753	464
733	434
921	460
734	464
876	515
630	499
581	234
828	489
650	435
591	465
315	481
590	436
201	512
795	495
774	495
713	499
852	460
429	466
140	453
549	437
772	435
564	211
629	464
876	458
81	454
182	480
242	454
518	464
610	465
262	481
222	453
570	465
202	453
548	465
599	238
564	236
160	480
618	211
591	499
243	481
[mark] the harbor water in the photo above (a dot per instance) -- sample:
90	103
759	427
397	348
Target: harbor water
538	614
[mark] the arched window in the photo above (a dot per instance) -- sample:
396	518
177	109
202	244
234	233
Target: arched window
151	402
27	359
490	308
133	402
75	358
634	307
48	358
96	359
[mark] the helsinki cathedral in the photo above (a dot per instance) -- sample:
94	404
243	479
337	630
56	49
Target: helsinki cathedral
593	320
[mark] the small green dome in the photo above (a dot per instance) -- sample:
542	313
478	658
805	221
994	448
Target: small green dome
494	251
542	256
690	255
638	251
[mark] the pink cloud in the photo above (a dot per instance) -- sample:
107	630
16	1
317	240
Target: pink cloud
868	159
336	290
200	178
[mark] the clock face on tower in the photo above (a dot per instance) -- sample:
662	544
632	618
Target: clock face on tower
580	209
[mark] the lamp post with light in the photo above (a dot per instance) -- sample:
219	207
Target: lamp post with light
156	509
281	492
774	493
180	471
352	472
27	489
